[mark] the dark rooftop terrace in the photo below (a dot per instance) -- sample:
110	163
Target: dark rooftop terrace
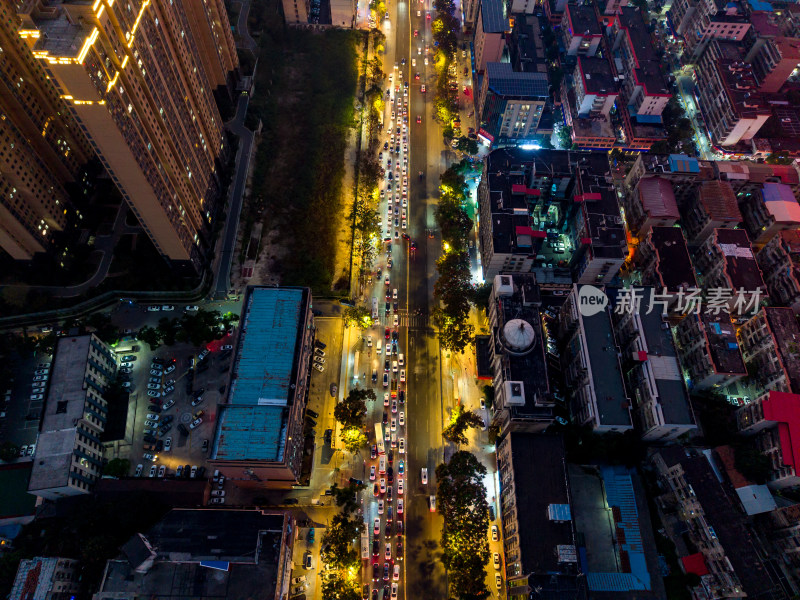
582	19
674	265
740	263
723	347
784	328
598	78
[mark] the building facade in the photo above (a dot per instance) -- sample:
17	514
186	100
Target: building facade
44	149
713	207
779	261
69	454
767	342
133	78
652	204
49	578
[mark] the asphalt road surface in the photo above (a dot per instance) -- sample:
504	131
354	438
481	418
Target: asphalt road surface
412	274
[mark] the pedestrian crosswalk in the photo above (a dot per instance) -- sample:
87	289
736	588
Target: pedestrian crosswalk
414	321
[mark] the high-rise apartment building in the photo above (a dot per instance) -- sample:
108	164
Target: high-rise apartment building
42	148
134	78
217	50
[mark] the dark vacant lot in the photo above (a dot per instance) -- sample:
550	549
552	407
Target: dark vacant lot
304	91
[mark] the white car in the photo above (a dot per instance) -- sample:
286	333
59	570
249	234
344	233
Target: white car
218	493
386	394
402	445
394	591
152	417
196	423
399	506
380	507
372	473
162	470
227	347
499	581
192	308
153	386
400	486
153	308
424	476
167	307
394	367
402	375
396	573
153	394
168	405
218	501
402	419
376	529
153	471
193	473
139	469
394	424
497	561
495	533
396	320
168	444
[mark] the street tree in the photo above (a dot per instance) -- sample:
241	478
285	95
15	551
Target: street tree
345	497
453	286
463	505
454	334
353	439
9	452
338	542
481	295
150	336
468	145
339	587
168	328
454	222
357	316
461	420
117	467
351	411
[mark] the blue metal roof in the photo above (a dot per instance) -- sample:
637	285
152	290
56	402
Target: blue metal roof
267	347
504	81
620	494
251	433
492	17
683	163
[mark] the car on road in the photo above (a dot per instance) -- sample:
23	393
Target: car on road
217	500
162	470
196	423
394	404
385	380
153	308
127	365
129	357
376	529
226	347
385	576
169	369
333	390
402	375
373	453
167	308
388	551
153	471
197	400
382	485
495	533
402	419
424	476
422	88
498	581
386	398
402	445
169	404
307	561
192	308
168	444
394	424
380	507
372	473
496	560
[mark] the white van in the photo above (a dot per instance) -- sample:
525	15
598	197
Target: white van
401	359
382	464
379	346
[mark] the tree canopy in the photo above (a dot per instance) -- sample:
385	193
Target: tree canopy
461	420
338	549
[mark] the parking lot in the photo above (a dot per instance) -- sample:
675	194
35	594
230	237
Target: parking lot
23	402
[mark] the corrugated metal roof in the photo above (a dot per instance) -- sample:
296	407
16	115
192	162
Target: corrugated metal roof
503	80
657	198
267	347
492	17
251	433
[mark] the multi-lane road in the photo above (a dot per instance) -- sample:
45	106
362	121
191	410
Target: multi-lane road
421	572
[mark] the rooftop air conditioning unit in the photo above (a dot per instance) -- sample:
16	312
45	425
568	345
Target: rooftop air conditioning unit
514	392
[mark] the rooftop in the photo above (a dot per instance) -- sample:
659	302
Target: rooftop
597	76
60	35
540	481
674	265
663	362
617	553
780	203
720	512
15	502
786	332
722	344
266	361
503	80
648	67
582	20
657	198
605	227
251	433
529	368
741	85
606	373
493	16
203	555
719	201
526	46
784	410
740	264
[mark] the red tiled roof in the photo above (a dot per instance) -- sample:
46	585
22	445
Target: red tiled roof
657	198
719	200
784	409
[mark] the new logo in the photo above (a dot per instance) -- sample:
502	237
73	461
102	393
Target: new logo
591	300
